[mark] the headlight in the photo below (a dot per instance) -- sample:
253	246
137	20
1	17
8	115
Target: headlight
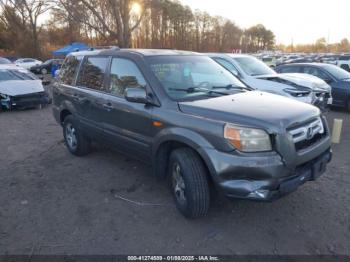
297	93
247	139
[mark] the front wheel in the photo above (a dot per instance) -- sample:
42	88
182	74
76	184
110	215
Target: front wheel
76	142
189	183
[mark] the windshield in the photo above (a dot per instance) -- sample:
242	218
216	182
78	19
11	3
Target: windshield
192	77
337	72
8	75
4	61
253	66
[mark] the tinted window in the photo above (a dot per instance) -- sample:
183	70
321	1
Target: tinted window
92	72
316	72
69	69
290	69
124	74
344	57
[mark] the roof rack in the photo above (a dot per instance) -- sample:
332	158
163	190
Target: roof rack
116	48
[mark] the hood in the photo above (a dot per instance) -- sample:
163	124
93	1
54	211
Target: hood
298	79
258	109
20	87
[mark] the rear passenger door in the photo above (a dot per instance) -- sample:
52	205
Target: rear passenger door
88	94
127	125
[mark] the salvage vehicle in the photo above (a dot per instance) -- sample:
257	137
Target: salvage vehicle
198	125
20	89
27	63
337	78
46	67
254	73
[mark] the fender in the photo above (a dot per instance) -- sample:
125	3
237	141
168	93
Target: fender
184	136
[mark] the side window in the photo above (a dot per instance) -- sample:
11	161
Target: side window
315	72
290	69
69	69
226	64
124	74
93	72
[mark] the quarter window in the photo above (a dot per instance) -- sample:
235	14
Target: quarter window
124	74
69	69
93	72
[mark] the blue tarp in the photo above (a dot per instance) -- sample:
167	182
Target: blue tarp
73	47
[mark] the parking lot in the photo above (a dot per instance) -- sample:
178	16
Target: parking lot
106	203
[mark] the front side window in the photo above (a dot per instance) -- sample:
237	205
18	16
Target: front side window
124	74
92	73
227	65
253	66
70	69
315	72
191	77
289	69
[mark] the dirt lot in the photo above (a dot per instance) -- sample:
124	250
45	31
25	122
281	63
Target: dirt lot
54	203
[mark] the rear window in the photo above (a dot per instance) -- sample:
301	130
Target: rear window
70	69
344	58
92	73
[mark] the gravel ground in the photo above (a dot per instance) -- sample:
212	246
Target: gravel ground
54	203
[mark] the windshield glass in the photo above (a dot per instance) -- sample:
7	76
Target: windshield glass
337	72
192	77
4	61
7	75
253	66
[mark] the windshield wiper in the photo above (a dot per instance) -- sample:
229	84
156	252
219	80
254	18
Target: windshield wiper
230	86
195	89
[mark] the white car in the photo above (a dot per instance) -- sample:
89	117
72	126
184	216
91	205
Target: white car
257	75
27	63
20	89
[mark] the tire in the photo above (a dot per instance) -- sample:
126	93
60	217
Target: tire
189	183
75	141
43	71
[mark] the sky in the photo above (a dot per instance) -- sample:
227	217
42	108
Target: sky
300	21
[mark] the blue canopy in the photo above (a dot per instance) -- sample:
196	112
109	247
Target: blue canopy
73	47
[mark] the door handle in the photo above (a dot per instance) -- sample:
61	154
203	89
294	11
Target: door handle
78	98
108	106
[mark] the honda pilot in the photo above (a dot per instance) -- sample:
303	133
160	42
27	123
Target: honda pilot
193	121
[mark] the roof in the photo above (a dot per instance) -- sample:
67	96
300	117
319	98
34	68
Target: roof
10	66
305	64
142	52
70	48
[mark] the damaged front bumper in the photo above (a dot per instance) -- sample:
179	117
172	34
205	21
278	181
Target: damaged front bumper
24	101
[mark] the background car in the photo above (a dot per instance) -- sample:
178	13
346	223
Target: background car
344	62
4	61
46	67
337	78
27	63
257	75
20	89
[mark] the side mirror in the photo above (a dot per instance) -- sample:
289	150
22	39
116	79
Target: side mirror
328	81
136	95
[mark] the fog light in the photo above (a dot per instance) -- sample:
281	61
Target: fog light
261	194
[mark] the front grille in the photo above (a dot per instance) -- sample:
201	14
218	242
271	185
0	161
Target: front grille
308	134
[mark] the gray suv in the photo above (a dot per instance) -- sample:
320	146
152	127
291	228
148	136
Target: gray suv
193	121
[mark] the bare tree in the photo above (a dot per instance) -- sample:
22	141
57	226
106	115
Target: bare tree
29	12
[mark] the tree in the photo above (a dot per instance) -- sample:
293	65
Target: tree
29	12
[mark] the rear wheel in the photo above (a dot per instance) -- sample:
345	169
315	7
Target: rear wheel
43	71
189	183
76	142
345	67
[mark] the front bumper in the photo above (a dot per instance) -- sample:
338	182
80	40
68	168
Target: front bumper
26	101
265	178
